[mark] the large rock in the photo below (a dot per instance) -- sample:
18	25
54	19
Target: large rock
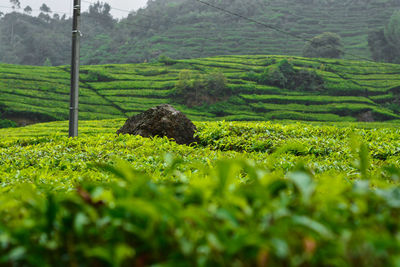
163	120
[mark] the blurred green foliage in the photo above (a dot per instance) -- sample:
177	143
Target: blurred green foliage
291	194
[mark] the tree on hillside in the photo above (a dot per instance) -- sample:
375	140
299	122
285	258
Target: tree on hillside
381	49
195	90
99	14
30	40
384	43
28	10
45	8
100	8
44	14
392	29
16	4
326	45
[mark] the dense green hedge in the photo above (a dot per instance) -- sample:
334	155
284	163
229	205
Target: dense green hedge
214	220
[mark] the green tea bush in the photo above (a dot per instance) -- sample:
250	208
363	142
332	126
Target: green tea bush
325	45
273	76
98	76
394	107
284	75
234	212
7	123
166	60
196	89
268	61
307	81
151	72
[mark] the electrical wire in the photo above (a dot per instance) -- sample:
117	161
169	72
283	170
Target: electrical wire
38	10
276	28
92	3
119	9
124	22
89	15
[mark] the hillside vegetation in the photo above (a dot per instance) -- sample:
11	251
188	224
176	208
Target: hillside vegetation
254	88
190	29
256	194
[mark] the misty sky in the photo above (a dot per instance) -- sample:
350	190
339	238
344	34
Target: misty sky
65	5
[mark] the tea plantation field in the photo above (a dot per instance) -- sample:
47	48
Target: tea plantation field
248	194
353	90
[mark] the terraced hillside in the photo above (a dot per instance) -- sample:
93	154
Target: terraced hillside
198	30
352	90
184	29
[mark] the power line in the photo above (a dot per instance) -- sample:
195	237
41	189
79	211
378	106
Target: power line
275	28
124	22
281	31
7	7
84	14
88	2
92	3
120	9
37	10
222	10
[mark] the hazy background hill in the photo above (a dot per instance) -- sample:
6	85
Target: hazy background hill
189	29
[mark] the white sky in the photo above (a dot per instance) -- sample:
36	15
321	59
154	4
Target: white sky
65	5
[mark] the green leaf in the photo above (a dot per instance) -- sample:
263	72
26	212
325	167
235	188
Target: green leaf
304	183
313	225
51	212
391	196
281	247
17	253
122	253
81	220
364	161
214	242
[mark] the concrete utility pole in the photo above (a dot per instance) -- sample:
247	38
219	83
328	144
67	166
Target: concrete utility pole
73	109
